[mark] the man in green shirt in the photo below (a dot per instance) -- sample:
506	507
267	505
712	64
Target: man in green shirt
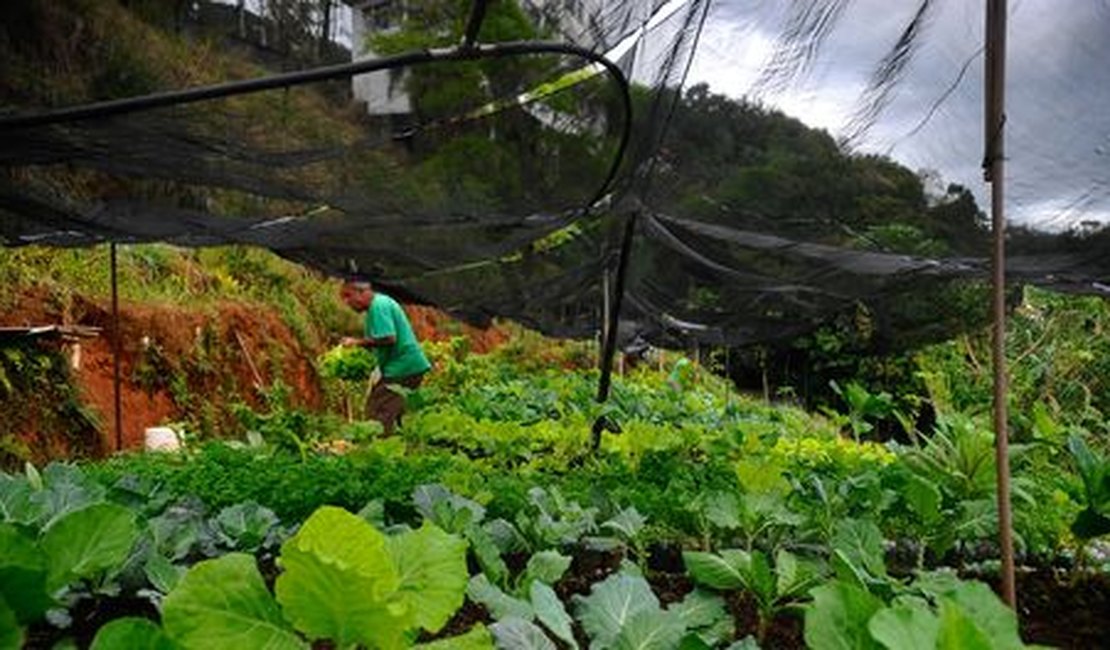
388	332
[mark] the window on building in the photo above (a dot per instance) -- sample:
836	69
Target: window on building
383	14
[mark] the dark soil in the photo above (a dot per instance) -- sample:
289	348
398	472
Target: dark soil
785	632
670	587
587	568
1063	610
666	558
88	617
469	615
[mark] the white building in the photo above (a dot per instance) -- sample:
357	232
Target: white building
384	92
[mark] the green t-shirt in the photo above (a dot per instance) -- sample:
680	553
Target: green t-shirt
385	318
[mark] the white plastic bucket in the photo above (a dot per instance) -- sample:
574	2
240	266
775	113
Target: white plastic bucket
162	439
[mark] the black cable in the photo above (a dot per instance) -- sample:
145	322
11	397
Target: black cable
345	70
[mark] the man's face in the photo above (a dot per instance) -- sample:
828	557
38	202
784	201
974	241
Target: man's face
356	299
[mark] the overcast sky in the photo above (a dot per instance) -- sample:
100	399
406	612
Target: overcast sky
1058	94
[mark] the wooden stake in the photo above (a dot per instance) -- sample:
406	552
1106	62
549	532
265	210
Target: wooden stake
116	347
993	168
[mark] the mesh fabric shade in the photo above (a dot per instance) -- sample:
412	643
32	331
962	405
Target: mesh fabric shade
493	197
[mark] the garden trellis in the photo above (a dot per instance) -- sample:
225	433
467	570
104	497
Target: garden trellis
533	165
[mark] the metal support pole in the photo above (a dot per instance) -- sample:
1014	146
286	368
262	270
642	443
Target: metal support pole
116	349
606	311
610	344
474	23
993	172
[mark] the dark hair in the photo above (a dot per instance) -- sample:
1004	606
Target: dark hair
357	285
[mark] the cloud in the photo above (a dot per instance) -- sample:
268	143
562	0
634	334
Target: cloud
1058	90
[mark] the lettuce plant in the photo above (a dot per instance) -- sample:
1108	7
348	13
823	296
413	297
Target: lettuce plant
56	532
937	612
622	612
557	521
1094	520
774	588
342	581
245	526
531	598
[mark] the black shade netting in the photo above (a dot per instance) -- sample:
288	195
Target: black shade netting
829	165
789	163
465	181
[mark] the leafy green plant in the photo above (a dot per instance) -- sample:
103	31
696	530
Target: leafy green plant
515	601
630	527
348	363
449	511
958	457
824	500
245	526
774	588
346	371
756	517
1094	471
517	615
925	504
89	543
622	612
342	580
181	532
959	461
557	520
462	516
281	424
944	613
856	554
865	407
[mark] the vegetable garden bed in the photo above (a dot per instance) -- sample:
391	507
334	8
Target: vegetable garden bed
713	521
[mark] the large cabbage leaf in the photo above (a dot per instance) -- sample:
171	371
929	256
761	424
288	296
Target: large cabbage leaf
499	604
88	542
550	611
622	612
131	633
22	575
838	618
431	567
905	627
223	604
514	633
340	583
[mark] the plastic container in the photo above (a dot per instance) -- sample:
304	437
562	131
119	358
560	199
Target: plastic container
162	439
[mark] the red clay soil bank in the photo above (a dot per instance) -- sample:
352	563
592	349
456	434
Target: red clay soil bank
245	341
431	324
